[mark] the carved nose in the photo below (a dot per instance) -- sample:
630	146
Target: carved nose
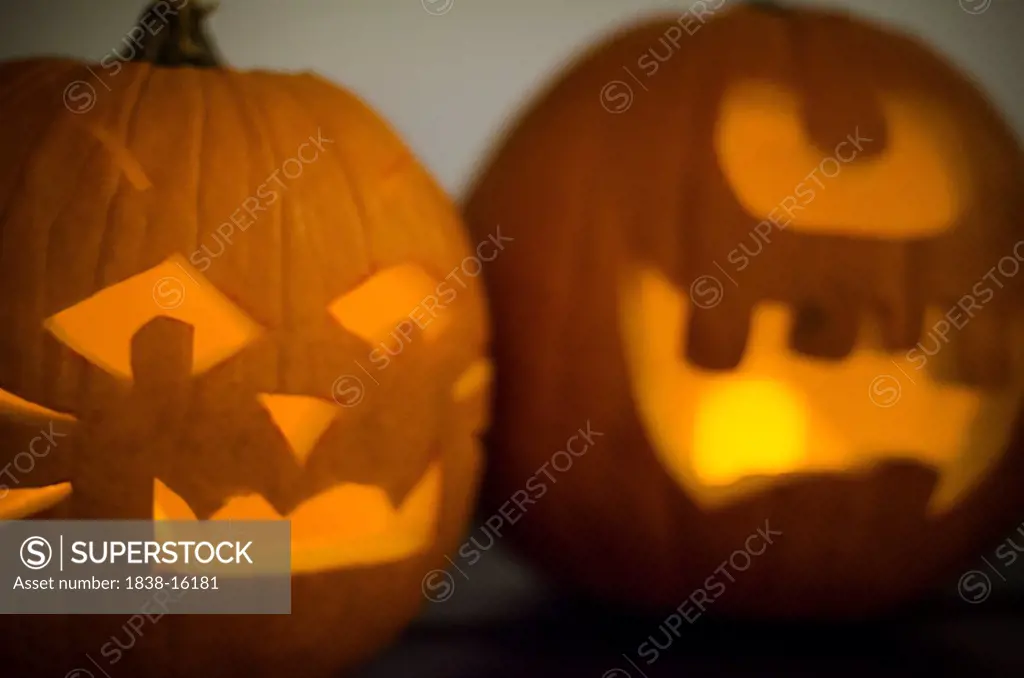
302	420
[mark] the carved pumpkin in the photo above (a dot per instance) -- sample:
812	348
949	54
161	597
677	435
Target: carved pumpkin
224	293
839	358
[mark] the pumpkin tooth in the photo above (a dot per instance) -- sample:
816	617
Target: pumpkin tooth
716	338
901	323
22	503
770	329
16	407
345	526
871	334
825	331
982	348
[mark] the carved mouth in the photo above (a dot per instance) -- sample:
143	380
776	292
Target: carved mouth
346	526
24	421
723	435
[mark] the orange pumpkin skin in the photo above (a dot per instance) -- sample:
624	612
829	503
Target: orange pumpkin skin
595	177
93	199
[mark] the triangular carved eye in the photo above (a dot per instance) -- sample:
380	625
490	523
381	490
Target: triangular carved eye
399	299
101	327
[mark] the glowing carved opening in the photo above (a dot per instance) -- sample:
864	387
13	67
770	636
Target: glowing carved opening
916	184
301	419
18	504
100	328
397	301
29	420
746	428
471	392
346	526
780	413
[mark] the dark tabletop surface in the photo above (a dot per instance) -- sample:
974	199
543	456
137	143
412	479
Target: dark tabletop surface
501	622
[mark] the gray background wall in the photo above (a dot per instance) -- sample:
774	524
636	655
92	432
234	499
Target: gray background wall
449	79
449	74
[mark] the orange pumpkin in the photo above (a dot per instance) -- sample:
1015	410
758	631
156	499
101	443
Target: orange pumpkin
224	297
771	255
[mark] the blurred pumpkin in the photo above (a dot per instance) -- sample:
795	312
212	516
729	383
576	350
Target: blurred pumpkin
216	291
771	255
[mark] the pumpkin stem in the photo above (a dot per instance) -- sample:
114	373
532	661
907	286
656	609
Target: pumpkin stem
769	6
174	34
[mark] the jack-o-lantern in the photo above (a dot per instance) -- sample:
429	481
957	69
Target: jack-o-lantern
771	256
225	298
